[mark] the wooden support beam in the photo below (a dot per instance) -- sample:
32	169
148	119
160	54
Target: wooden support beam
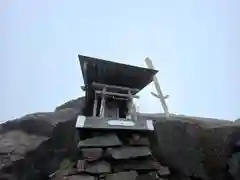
132	107
102	107
95	105
158	89
99	85
157	96
116	94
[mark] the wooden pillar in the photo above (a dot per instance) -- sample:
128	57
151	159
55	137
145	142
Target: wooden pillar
135	117
131	107
95	105
102	107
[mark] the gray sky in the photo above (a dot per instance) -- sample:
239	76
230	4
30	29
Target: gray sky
194	44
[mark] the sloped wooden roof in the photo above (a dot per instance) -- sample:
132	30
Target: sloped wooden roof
113	73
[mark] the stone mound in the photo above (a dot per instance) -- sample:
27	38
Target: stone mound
40	144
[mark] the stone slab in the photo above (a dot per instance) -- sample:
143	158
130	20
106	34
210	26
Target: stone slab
92	154
131	175
164	171
128	152
108	140
140	165
139	140
80	177
99	167
146	177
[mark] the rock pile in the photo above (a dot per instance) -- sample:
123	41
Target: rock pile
114	156
40	144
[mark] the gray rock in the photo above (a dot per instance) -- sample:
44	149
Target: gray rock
53	118
39	124
73	104
63	172
80	177
108	140
47	151
234	166
186	145
135	165
164	171
81	165
48	136
99	167
238	144
92	154
128	152
146	177
15	144
140	141
131	175
195	148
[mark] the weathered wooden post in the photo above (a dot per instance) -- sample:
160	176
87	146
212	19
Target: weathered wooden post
160	95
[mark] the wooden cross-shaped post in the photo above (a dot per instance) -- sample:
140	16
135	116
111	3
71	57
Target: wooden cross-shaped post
160	95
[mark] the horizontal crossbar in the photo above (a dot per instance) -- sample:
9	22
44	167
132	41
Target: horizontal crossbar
117	94
99	85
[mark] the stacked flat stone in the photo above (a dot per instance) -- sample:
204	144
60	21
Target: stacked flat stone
115	156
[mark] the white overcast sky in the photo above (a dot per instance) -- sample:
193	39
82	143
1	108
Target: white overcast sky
194	44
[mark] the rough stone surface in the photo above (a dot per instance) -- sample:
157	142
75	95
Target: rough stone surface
164	171
234	165
141	141
109	140
146	177
238	143
128	152
196	148
72	104
80	177
81	165
92	154
65	169
131	175
135	165
33	146
100	167
15	144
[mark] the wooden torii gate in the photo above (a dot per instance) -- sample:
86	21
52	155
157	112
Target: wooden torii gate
159	94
